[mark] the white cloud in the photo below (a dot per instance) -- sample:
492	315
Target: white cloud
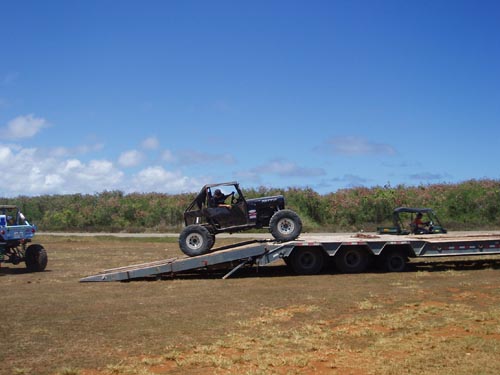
351	180
249	176
150	143
168	156
287	168
351	146
192	157
32	172
427	176
23	127
85	149
130	158
59	152
158	179
53	180
99	167
5	155
72	164
79	150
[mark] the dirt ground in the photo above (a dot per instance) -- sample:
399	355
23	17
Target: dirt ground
440	317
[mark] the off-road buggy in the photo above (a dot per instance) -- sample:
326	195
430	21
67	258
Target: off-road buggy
15	233
204	217
403	222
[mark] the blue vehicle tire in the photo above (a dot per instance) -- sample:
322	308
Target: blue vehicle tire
36	258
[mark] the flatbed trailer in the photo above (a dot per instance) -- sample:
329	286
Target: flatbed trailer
311	253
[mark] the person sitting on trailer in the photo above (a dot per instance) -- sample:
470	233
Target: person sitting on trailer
419	226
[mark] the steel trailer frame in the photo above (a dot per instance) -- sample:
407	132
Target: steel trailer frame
264	252
243	254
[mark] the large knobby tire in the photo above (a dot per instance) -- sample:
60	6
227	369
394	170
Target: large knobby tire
307	260
352	260
196	240
394	261
35	258
285	225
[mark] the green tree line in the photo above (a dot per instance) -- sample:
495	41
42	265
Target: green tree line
470	205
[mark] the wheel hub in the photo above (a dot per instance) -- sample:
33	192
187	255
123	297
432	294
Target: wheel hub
352	259
286	226
194	241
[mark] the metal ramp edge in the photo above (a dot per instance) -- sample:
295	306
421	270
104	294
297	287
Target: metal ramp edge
132	271
175	265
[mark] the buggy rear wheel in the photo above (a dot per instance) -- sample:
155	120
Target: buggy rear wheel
285	225
36	258
196	240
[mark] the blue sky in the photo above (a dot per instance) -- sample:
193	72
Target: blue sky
166	96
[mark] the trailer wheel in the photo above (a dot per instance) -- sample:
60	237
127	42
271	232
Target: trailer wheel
285	225
307	261
196	240
352	260
36	258
394	261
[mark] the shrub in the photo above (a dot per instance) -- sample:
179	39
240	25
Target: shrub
473	204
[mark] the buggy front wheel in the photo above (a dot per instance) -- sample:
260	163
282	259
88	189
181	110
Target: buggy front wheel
196	240
285	225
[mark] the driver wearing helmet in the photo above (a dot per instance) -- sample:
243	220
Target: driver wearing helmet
219	199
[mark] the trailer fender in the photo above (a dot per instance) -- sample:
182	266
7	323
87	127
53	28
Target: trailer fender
405	249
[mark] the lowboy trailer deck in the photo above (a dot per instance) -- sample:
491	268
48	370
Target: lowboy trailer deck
310	253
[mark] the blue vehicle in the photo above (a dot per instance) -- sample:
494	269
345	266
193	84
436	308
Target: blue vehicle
15	233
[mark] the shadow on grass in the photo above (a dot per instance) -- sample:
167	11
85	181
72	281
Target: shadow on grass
455	265
4	271
249	272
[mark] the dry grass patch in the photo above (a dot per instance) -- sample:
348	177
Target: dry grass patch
424	338
425	322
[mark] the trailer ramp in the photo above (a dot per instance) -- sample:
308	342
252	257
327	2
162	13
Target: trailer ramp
243	254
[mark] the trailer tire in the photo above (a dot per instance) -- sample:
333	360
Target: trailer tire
285	225
307	260
352	260
196	240
36	258
394	261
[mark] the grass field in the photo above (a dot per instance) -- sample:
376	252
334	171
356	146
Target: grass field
439	318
